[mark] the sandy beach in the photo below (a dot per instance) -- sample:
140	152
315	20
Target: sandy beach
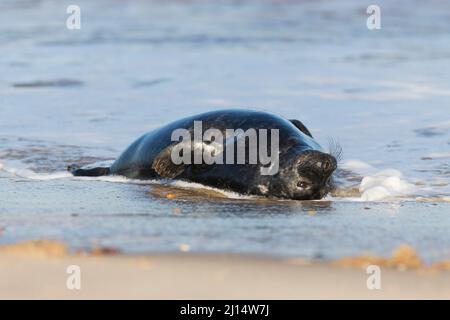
37	270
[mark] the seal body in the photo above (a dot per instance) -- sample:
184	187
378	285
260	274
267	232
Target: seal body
303	169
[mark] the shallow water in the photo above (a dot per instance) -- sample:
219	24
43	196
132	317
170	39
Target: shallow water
82	96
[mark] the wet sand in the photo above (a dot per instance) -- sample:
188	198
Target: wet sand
37	270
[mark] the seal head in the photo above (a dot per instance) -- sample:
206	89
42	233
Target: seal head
302	176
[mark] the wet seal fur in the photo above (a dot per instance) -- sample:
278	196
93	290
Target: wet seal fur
305	170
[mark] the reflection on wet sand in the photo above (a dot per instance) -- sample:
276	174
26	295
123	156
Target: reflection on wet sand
216	196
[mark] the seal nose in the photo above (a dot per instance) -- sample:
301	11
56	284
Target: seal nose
327	163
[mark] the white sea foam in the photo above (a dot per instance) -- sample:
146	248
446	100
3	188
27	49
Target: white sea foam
376	185
17	169
379	185
115	179
228	194
384	184
174	183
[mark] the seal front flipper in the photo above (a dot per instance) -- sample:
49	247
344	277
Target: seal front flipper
301	127
164	166
93	172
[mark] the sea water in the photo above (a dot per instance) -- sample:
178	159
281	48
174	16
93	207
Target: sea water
82	96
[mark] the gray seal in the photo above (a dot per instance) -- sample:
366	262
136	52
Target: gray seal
304	169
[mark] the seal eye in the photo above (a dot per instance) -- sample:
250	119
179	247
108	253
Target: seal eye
303	185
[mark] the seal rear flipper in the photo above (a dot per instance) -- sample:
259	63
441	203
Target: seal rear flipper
93	172
301	127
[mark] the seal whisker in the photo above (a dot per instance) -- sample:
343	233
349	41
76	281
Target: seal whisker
335	149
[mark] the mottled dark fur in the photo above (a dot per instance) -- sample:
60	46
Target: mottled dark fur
304	169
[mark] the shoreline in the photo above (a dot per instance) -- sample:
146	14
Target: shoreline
38	270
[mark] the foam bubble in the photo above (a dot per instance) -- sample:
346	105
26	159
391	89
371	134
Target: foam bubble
378	184
375	194
384	184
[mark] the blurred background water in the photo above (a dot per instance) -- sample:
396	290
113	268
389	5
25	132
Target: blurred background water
82	96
